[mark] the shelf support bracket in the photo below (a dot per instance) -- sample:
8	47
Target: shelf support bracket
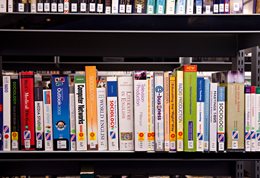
240	169
255	169
255	66
57	61
238	63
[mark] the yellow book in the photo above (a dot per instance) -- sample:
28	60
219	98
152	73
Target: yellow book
92	126
173	137
166	112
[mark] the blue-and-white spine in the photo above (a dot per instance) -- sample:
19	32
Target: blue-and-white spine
247	121
47	116
112	109
206	114
253	121
6	113
200	113
221	118
180	6
159	111
198	6
213	117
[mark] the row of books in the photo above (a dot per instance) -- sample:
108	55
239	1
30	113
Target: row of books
179	110
107	176
133	6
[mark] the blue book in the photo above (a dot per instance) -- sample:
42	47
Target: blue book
221	6
150	6
160	7
1	118
206	114
215	6
60	112
198	4
200	113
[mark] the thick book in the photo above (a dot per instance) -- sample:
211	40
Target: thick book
129	6
66	6
108	4
46	5
100	6
126	113
60	112
213	117
54	5
253	118
91	97
92	6
60	6
200	113
207	6
115	5
122	6
221	119
159	110
102	113
173	115
33	6
141	110
247	118
47	113
257	118
150	7
83	6
72	113
198	4
73	6
1	118
81	112
112	109
190	107
215	6
227	6
170	6
39	4
206	114
38	104
160	6
180	6
190	7
23	6
221	6
140	6
15	112
27	110
166	83
236	6
6	113
249	6
10	6
3	5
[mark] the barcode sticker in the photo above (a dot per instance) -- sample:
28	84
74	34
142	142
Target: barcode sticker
128	9
160	9
208	9
236	7
46	7
122	8
92	7
226	7
150	9
215	8
53	7
108	10
14	145
92	145
198	10
21	7
74	7
39	144
190	144
61	144
60	7
83	7
27	144
181	9
40	7
221	8
139	8
33	8
221	146
234	144
66	6
100	8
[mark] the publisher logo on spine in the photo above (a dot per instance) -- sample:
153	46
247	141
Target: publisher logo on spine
59	81
60	125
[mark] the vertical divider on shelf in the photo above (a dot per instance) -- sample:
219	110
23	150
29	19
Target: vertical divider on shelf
255	169
240	169
57	61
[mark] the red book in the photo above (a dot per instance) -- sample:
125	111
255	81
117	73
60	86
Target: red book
27	110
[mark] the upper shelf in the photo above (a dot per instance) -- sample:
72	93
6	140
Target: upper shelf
130	23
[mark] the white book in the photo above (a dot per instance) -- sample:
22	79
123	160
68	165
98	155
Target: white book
112	109
200	113
47	116
33	6
6	113
80	112
190	7
247	119
213	117
141	110
258	118
10	6
102	113
221	118
170	6
159	110
39	123
126	113
253	119
115	4
3	4
114	73
73	137
150	135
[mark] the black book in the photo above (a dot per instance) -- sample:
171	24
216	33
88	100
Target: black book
129	6
83	6
60	6
108	4
100	6
39	5
23	6
74	6
47	5
92	6
122	6
54	5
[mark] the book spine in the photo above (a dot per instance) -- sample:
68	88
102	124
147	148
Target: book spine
206	115
247	119
22	5
190	7
80	110
54	6
198	6
33	6
208	7
102	113
10	6
100	6
60	112
221	119
151	109
82	6
6	113
126	118
180	6
47	116
122	5
27	110
108	6
159	111
73	136
92	7
60	6
253	118
129	6
150	6
179	112
166	111
1	118
200	113
15	112
3	5
258	118
91	96
66	6
170	7
115	4
236	6
215	6
227	7
140	6
173	113
39	5
73	4
190	107
47	5
160	7
141	110
221	6
112	108
213	117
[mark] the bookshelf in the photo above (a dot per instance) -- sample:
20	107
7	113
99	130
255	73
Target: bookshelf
55	37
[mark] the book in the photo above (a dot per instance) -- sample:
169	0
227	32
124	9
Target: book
22	6
92	6
160	6
190	107
236	6
249	6
198	4
112	109
6	113
91	97
253	117
141	110
38	105
27	110
47	112
15	112
115	4
221	118
33	6
170	6
40	5
159	110
102	113
73	136
190	7
206	114
215	6
1	118
247	118
258	118
257	6
66	6
150	7
140	6
126	113
166	81
180	6
47	5
54	5
122	5
60	112
100	6
3	5
151	109
221	6
10	6
207	6
173	115
108	4
82	6
129	6
213	117
200	113
60	6
227	6
73	4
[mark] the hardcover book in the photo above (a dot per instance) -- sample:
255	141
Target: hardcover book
253	118
247	118
73	136
221	119
200	113
213	117
206	115
6	113
173	115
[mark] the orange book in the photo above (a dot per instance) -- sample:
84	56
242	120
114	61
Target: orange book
92	125
166	111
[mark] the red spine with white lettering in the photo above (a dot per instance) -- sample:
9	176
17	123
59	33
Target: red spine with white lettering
27	110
